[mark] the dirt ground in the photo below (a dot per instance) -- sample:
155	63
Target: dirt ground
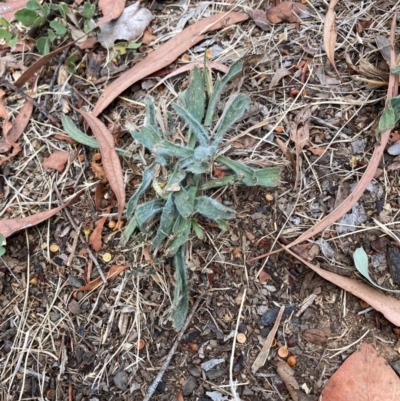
56	344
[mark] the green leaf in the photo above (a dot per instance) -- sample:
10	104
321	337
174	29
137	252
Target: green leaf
2	251
146	182
148	136
223	225
13	41
43	45
167	148
62	9
33	5
46	10
146	211
4	22
197	128
88	25
219	182
194	98
134	45
29	18
151	114
128	231
361	262
388	119
235	69
181	231
183	203
59	28
77	135
268	177
2	240
212	209
234	109
245	173
167	220
180	303
51	35
88	10
197	229
4	34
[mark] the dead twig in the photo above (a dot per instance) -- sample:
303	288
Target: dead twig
90	253
153	386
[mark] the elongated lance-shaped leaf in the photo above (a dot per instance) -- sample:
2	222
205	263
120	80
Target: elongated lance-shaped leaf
128	231
244	173
167	221
234	109
177	176
181	231
151	114
235	69
146	182
212	209
167	148
147	210
181	292
219	182
268	177
148	137
222	224
183	203
197	128
194	97
197	229
77	135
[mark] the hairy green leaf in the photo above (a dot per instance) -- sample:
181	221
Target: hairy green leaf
235	69
146	211
194	98
234	109
128	231
197	128
181	231
167	148
181	292
268	177
212	209
167	221
244	173
197	229
151	114
146	182
148	136
183	203
361	262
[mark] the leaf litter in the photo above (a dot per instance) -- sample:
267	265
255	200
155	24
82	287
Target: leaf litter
334	113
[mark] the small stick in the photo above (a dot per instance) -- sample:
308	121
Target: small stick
153	386
76	228
53	79
9	85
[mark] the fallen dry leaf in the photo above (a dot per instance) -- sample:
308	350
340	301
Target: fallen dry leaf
111	275
315	336
111	10
129	26
8	9
330	34
18	127
98	171
56	160
387	305
10	226
300	135
95	237
260	19
148	37
111	162
166	54
286	12
3	110
263	277
279	74
363	376
99	195
286	373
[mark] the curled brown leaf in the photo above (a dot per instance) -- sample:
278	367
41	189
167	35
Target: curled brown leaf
111	10
330	34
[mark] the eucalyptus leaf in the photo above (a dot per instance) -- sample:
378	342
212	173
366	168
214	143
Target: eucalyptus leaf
361	262
181	291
